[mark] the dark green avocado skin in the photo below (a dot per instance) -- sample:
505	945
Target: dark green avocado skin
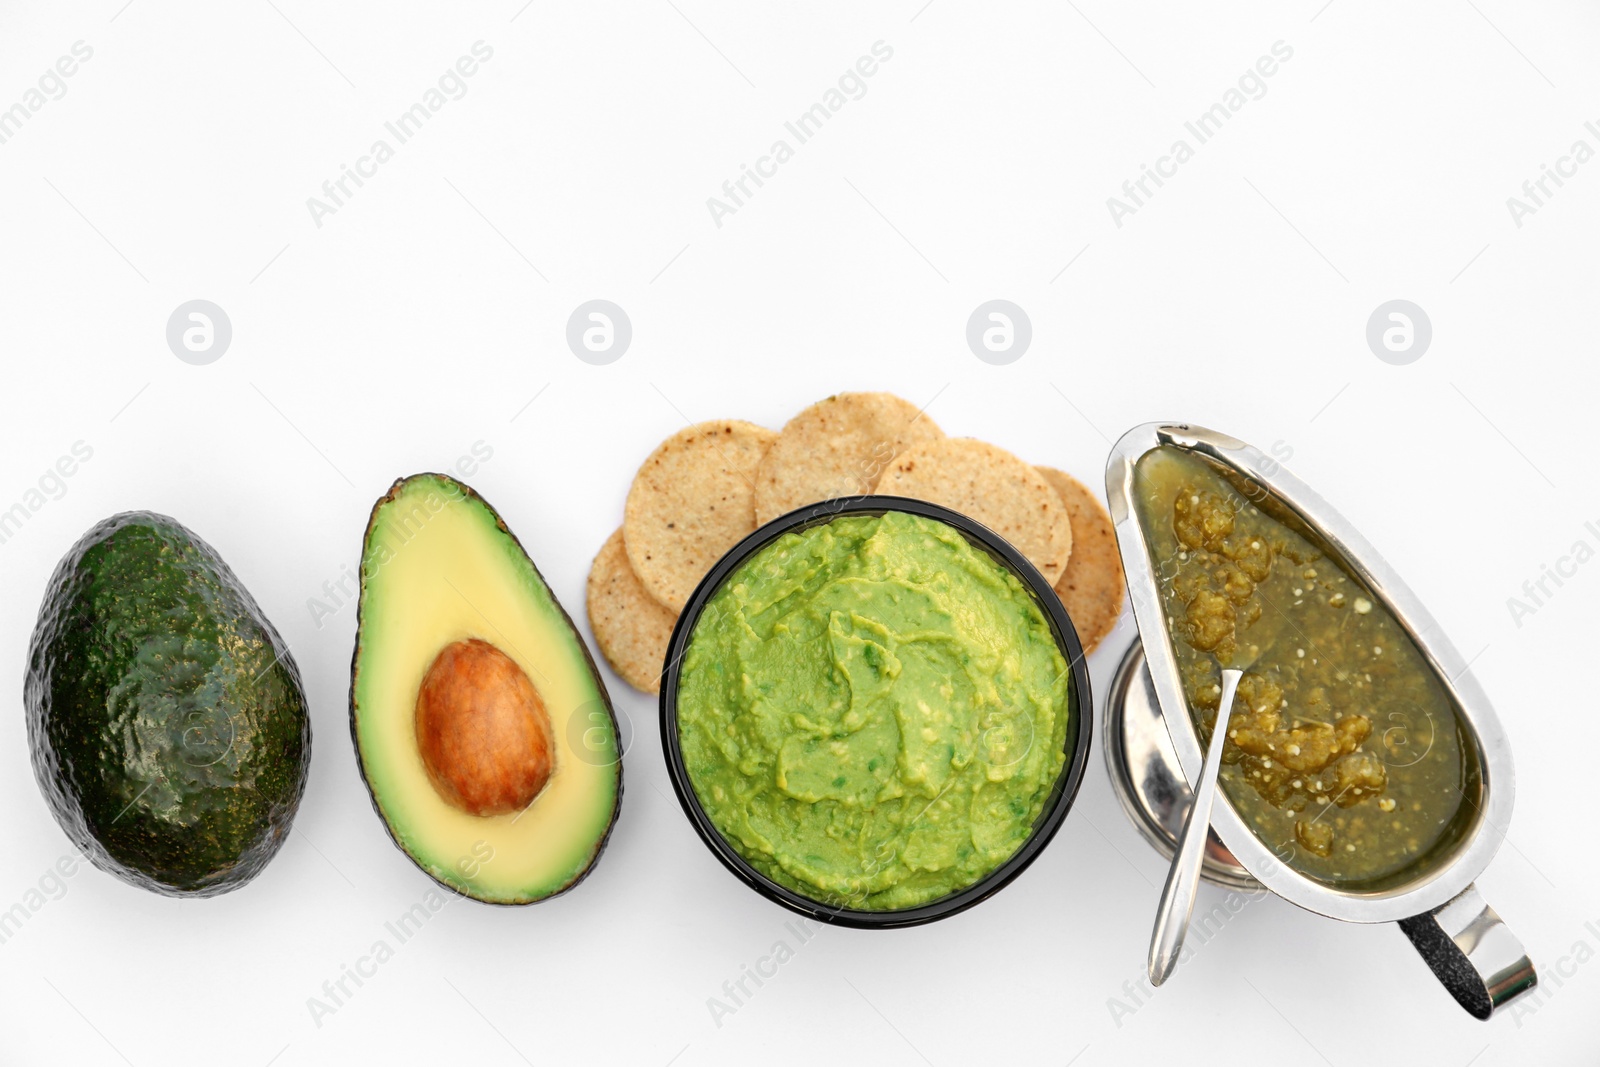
166	720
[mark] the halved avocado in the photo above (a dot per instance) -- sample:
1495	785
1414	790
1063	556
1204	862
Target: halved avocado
484	733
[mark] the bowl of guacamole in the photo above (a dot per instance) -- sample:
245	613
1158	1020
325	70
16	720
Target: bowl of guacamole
875	712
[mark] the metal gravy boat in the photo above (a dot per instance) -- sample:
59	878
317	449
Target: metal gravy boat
1437	906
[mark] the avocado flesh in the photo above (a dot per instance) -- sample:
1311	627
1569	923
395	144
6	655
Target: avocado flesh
439	566
166	721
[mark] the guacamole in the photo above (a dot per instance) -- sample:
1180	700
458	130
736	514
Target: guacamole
1344	753
873	711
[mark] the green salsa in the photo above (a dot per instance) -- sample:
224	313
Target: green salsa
873	712
1344	753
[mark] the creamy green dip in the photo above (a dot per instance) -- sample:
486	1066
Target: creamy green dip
873	712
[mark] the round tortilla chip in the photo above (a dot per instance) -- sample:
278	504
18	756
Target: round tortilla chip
990	485
1092	588
691	501
837	448
630	627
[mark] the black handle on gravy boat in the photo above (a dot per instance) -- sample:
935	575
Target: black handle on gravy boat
1472	953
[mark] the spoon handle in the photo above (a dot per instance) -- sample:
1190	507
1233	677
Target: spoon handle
1183	880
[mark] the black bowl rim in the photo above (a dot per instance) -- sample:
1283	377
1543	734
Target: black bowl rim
1076	749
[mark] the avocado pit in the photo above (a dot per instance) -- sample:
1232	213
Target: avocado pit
482	730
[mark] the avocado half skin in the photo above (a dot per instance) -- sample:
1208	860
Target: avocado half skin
166	719
588	657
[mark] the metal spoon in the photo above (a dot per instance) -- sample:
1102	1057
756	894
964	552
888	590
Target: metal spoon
1177	897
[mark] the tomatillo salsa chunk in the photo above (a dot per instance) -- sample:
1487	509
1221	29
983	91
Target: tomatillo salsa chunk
873	711
1344	754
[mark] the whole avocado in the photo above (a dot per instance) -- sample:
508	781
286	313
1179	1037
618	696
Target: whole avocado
166	719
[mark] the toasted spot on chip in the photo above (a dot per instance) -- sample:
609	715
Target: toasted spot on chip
692	500
990	485
837	448
630	626
1092	587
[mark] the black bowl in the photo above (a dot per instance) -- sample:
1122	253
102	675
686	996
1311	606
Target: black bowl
1079	730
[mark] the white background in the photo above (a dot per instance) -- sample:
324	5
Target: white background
426	312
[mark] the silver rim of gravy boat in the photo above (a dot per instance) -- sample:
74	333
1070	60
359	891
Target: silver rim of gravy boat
1436	885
